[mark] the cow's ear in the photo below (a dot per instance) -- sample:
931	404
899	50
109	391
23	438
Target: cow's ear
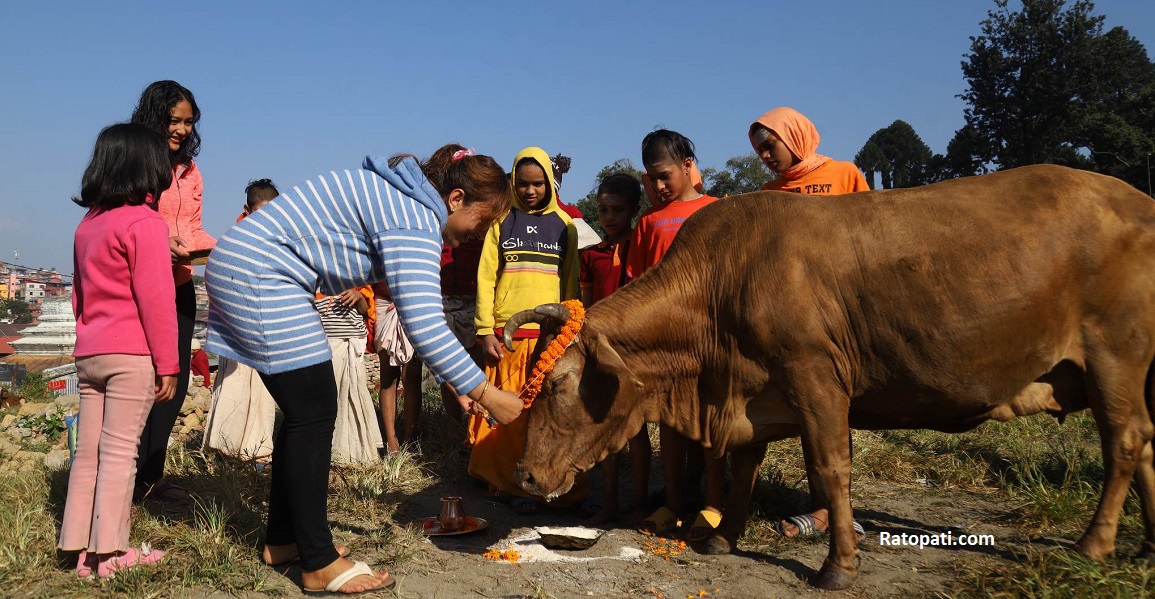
608	361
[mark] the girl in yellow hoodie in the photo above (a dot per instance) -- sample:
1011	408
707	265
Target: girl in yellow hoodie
530	258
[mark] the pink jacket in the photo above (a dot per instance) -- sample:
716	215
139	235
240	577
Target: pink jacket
180	205
123	293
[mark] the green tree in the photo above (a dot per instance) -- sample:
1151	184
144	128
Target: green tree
1046	85
1120	135
742	174
18	310
964	155
899	156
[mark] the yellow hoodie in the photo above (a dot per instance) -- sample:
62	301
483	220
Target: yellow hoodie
529	258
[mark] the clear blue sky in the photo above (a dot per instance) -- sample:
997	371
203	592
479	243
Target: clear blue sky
292	89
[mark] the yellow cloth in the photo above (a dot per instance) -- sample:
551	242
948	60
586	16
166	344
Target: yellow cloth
496	451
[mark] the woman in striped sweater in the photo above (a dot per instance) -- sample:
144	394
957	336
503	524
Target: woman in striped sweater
384	222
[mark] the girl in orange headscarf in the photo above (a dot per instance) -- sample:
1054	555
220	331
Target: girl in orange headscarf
786	141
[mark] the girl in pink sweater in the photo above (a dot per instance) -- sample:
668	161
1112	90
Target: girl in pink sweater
170	109
126	332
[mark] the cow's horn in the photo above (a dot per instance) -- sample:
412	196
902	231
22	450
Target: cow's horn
515	322
555	311
537	315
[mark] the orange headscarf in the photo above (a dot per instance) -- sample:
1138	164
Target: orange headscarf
799	135
652	192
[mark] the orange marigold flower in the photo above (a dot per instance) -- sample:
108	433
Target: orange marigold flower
557	347
509	555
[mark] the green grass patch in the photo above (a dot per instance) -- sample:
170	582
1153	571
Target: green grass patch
1056	574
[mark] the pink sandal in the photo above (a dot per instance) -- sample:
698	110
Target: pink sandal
146	556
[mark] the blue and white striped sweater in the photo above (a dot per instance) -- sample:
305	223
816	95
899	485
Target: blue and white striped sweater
332	233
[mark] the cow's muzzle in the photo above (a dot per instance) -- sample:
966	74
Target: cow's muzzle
528	483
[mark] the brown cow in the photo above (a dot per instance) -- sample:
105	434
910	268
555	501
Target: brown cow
776	315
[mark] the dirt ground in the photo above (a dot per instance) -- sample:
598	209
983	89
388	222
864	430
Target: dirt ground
623	563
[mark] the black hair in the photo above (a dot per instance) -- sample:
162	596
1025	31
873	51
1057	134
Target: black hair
624	185
260	190
560	166
129	162
154	110
663	144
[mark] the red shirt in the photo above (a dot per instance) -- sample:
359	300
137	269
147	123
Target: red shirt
602	267
572	211
200	364
459	268
656	230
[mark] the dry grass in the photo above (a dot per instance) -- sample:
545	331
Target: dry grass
1054	574
213	542
1047	476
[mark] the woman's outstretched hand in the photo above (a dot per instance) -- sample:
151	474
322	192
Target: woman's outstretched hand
504	406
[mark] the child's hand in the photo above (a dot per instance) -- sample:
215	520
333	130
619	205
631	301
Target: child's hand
349	297
492	349
165	388
175	246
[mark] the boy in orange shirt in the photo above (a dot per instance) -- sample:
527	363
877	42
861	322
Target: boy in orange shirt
786	141
669	161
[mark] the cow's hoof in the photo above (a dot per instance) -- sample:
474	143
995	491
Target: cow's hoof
830	579
1093	552
716	545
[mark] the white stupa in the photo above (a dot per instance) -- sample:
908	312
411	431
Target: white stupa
56	333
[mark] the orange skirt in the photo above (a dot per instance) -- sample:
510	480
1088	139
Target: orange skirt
496	451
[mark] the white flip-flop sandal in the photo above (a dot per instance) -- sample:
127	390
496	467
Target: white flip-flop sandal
334	586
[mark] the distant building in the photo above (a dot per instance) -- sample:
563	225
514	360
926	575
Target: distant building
42	346
55	334
32	285
9	333
33	292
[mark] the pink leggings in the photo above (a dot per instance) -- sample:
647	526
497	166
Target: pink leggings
116	394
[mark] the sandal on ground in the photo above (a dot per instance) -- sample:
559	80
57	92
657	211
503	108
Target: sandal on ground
145	556
342	551
663	520
168	492
704	525
358	569
524	506
808	528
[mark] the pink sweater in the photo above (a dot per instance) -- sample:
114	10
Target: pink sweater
123	293
180	205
